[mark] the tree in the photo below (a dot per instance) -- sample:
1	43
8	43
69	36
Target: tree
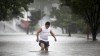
79	22
89	10
63	17
13	8
34	18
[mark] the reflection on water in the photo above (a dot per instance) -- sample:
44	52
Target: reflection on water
41	53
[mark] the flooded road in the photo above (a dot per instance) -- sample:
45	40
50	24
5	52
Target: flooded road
26	45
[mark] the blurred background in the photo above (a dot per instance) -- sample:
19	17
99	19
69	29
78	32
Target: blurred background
66	17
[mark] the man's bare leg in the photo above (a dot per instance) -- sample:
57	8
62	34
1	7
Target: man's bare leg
42	46
46	48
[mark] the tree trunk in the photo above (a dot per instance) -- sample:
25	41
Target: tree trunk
94	24
94	34
69	34
27	30
69	30
62	30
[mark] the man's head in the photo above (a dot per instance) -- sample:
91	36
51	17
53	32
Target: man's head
47	24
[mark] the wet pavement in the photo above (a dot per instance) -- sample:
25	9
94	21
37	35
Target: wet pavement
26	45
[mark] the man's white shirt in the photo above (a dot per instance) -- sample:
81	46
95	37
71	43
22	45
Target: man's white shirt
44	33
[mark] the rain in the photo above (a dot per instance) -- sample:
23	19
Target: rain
76	27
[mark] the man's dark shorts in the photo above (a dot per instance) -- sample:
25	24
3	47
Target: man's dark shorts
46	43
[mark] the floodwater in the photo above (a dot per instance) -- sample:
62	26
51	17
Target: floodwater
26	45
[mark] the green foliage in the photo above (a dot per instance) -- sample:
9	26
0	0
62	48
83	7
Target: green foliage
79	21
12	8
35	17
63	16
89	10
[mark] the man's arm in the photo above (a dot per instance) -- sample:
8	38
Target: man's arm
37	34
53	35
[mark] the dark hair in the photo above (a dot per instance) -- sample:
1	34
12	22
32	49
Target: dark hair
47	23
